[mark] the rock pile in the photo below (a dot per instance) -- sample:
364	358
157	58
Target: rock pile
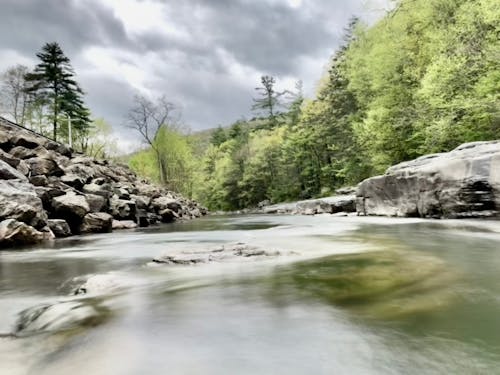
47	192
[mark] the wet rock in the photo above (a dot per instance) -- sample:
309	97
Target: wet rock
124	224
167	215
19	201
102	284
221	253
60	316
462	183
98	222
13	232
59	227
162	203
9	173
142	202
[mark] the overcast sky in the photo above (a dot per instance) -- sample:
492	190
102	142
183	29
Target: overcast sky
206	56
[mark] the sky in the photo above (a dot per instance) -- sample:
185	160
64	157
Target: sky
205	56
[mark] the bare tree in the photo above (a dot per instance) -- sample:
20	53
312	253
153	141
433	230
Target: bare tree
148	118
14	95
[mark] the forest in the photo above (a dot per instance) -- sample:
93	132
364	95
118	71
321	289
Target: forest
423	79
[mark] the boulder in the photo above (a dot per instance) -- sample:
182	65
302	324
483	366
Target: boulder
26	139
83	171
19	201
96	202
103	190
59	227
9	173
5	144
458	184
167	215
44	166
13	232
24	168
141	201
73	180
72	208
98	222
59	148
163	202
124	224
39	180
122	209
9	159
46	194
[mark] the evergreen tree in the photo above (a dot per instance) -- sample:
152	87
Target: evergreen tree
268	100
53	81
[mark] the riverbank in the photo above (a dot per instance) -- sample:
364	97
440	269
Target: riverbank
48	191
462	183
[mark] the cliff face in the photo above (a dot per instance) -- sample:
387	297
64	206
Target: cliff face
46	191
458	184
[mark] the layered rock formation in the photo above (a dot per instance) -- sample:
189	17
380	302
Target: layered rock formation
46	191
462	183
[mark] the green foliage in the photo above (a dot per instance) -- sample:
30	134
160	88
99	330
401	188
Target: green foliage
52	84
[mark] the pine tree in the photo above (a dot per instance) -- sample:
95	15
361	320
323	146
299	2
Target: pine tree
53	81
268	101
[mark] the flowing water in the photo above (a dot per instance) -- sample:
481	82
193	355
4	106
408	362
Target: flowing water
341	295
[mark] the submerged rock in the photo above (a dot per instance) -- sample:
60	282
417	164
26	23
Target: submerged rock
98	222
59	227
458	184
60	316
225	252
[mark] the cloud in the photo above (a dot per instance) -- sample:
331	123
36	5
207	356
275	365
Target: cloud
206	56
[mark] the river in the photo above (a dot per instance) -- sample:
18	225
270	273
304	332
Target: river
336	295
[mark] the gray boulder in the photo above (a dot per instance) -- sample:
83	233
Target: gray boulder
10	173
59	227
19	201
44	166
73	180
25	139
13	232
122	209
9	159
72	208
462	183
96	203
98	222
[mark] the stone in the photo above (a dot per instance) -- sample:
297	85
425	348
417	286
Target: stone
10	173
19	201
26	139
39	180
122	209
142	202
59	227
97	222
13	232
124	224
163	202
458	184
167	215
44	166
85	172
21	152
96	203
24	168
72	208
73	180
46	194
103	190
59	148
9	159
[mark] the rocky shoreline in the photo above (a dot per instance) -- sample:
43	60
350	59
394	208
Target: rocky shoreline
462	183
48	191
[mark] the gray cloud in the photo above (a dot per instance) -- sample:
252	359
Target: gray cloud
204	55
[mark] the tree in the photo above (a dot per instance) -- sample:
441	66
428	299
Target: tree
268	100
218	136
53	81
148	118
14	93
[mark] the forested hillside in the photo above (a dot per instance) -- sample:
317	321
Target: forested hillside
424	79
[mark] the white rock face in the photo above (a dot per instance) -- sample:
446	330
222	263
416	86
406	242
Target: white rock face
462	183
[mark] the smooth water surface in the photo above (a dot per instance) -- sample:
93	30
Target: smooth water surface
346	295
